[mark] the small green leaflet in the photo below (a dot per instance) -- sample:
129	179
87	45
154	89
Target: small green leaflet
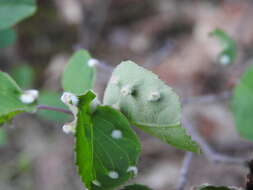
148	103
228	54
78	76
10	103
7	37
84	140
13	11
242	104
136	187
24	76
52	99
107	149
211	187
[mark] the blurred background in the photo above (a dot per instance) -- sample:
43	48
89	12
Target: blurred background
170	37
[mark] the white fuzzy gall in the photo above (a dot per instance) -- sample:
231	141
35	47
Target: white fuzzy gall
224	59
154	96
116	134
26	99
97	183
94	104
93	62
68	128
33	92
29	96
69	98
126	90
113	174
133	169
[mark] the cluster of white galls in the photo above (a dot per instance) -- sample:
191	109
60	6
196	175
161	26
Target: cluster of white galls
115	175
71	101
129	90
224	59
29	96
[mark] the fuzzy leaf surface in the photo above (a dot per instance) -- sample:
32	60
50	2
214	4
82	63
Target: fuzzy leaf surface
160	118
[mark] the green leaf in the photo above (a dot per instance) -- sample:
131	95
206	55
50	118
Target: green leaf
84	140
105	146
13	11
136	187
10	103
7	37
78	76
242	104
211	187
148	103
52	99
23	75
229	52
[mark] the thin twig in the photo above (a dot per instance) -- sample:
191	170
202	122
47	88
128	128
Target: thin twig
45	107
105	66
210	154
208	98
184	173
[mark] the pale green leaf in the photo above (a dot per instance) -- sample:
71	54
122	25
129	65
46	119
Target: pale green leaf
10	103
24	76
13	11
105	146
242	104
148	103
52	99
7	37
78	76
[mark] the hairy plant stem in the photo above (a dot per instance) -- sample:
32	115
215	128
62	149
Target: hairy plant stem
45	107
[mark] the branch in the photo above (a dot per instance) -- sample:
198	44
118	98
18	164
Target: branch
44	107
210	154
184	173
208	151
